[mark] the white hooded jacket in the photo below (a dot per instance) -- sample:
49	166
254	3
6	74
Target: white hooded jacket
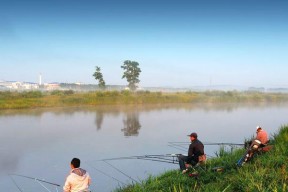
77	181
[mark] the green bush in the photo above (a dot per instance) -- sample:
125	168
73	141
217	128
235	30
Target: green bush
57	92
126	93
68	92
31	94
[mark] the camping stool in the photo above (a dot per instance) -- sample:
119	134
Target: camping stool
200	164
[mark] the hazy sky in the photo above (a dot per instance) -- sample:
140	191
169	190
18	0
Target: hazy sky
177	43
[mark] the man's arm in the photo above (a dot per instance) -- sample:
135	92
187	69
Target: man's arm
89	181
191	150
67	185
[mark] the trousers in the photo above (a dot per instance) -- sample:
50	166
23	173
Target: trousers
186	159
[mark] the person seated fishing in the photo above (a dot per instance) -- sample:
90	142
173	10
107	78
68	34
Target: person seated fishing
260	140
256	145
262	135
78	178
195	151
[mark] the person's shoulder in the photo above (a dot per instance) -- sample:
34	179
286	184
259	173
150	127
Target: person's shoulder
199	142
69	177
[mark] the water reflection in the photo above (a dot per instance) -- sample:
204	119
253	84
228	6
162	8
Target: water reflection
9	161
99	119
131	124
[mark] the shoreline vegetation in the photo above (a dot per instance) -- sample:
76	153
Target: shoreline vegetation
69	98
266	172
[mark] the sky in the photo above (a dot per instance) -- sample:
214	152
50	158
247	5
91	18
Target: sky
176	43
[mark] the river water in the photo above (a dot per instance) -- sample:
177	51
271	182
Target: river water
40	143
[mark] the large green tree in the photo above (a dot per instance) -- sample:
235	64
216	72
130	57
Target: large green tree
98	76
131	73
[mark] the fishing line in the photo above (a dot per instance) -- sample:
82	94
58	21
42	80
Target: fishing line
231	144
162	158
179	147
36	179
106	174
205	143
157	160
15	183
182	148
42	185
141	156
121	172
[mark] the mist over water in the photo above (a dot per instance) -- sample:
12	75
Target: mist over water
41	142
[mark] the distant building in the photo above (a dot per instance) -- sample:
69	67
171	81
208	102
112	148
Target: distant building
11	84
17	85
29	86
51	86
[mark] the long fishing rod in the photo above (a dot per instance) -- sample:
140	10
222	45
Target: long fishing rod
240	144
44	186
36	179
205	143
15	183
179	147
166	158
106	174
157	158
121	171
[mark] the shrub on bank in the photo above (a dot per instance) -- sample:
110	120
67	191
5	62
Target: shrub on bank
58	98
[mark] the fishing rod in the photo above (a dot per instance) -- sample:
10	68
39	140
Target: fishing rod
44	186
231	144
166	158
205	143
121	172
39	181
15	183
36	179
179	147
106	174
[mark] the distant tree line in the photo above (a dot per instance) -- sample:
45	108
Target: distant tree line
131	74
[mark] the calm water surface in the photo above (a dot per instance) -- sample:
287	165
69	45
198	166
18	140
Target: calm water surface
41	142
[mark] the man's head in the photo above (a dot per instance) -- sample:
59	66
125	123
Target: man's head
75	163
193	136
258	128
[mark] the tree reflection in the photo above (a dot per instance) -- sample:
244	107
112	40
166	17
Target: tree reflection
9	159
99	119
131	124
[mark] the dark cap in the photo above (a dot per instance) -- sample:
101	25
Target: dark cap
193	135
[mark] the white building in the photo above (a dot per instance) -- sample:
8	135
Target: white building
17	85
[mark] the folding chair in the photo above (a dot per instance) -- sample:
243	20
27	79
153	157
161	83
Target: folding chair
200	164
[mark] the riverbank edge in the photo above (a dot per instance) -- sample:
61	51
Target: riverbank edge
37	99
267	172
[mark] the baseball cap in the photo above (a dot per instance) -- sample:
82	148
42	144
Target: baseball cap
193	135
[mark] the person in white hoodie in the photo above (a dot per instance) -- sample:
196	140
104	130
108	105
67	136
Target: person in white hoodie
78	179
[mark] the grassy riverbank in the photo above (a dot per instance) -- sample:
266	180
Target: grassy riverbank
37	99
268	172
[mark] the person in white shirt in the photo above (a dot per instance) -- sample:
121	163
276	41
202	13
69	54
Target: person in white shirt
78	179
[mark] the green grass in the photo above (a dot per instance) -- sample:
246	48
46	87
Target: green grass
266	172
35	99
